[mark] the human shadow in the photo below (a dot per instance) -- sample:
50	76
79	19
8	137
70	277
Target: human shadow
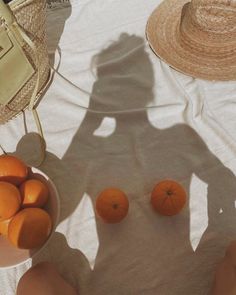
118	147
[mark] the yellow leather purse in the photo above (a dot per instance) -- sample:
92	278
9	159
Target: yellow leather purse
15	67
24	62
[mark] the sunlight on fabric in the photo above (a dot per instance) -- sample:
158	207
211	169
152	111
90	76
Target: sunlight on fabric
82	231
106	128
166	115
198	210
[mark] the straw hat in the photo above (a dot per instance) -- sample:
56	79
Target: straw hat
197	38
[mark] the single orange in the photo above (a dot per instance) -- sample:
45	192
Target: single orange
4	226
29	228
10	200
168	197
12	169
112	205
34	193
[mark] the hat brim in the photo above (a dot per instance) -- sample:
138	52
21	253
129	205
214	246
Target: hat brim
163	35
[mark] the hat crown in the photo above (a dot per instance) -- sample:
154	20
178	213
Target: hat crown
215	16
196	37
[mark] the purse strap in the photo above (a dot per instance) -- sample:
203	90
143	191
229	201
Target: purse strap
10	22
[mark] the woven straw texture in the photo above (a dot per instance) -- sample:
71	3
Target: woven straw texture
31	15
197	38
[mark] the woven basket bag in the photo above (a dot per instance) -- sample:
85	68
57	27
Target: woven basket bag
31	17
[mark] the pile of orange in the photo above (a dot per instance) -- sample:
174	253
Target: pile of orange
22	198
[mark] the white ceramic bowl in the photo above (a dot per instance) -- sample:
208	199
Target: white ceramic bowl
11	256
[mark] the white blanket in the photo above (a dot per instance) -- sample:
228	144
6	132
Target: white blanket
146	122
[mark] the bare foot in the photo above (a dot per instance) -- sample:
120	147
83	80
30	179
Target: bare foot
225	277
43	279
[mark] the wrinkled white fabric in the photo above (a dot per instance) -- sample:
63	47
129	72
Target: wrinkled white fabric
145	123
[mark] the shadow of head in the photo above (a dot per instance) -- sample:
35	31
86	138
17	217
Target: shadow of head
125	75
